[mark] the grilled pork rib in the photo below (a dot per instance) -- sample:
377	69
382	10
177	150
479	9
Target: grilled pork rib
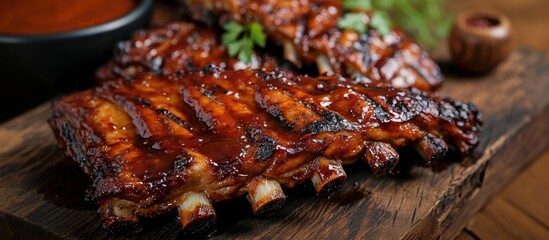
154	144
307	31
175	47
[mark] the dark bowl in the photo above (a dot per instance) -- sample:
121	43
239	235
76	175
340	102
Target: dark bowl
34	68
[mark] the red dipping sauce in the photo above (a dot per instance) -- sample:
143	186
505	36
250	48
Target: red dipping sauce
27	17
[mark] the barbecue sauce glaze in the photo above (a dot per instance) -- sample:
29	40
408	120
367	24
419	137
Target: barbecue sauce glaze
235	125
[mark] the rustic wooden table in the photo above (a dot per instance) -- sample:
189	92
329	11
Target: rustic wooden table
521	210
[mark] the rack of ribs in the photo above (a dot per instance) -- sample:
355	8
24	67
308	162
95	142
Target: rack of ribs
177	47
307	30
184	142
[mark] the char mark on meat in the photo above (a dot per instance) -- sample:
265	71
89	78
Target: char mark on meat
308	32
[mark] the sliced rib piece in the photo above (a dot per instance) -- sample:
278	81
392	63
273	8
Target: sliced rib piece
154	144
177	47
307	29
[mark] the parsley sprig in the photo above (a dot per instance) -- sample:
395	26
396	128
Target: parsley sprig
355	19
241	39
357	22
423	19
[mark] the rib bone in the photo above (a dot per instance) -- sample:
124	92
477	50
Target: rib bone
266	196
381	157
323	64
431	148
328	176
290	53
119	215
196	213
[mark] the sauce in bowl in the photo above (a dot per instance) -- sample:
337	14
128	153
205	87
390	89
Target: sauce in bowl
28	17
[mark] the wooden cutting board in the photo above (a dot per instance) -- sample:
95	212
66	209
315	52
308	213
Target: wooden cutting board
42	193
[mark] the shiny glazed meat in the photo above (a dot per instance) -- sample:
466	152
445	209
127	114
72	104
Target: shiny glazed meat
307	29
175	47
154	144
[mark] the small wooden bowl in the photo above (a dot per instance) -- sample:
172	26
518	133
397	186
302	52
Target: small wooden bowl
480	40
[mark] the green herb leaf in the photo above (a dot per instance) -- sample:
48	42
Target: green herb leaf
257	35
357	5
425	20
381	22
246	50
234	48
240	40
232	32
353	21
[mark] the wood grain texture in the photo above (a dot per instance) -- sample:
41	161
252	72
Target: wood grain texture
502	220
524	193
41	190
520	211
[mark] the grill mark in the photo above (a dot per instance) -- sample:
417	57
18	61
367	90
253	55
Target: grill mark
421	71
177	108
294	114
362	47
265	140
143	105
390	56
370	119
138	115
104	127
390	106
396	107
155	143
351	105
331	135
228	161
380	112
158	126
248	113
263	130
402	108
150	146
167	113
330	121
214	115
245	117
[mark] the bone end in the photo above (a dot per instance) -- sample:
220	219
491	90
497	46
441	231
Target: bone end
290	53
266	196
324	66
119	217
196	213
381	157
328	176
431	148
